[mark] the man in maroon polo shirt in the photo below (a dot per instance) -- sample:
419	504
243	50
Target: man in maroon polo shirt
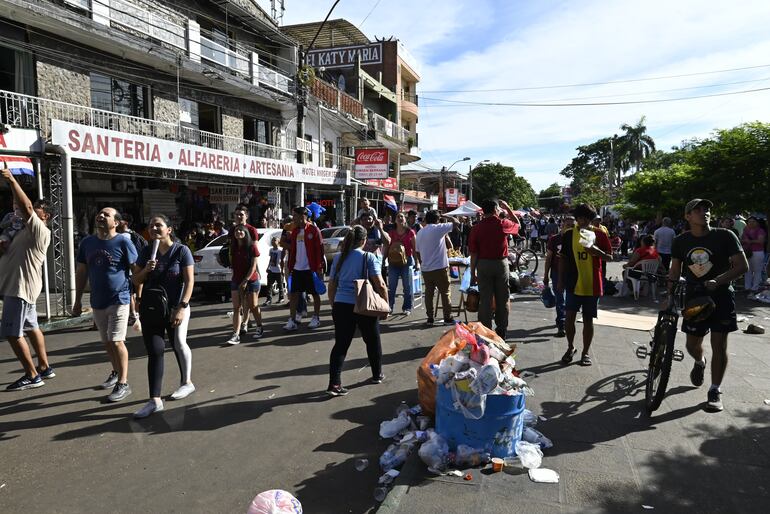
488	245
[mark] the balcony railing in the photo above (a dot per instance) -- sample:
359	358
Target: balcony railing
183	34
25	111
333	160
410	98
336	98
387	127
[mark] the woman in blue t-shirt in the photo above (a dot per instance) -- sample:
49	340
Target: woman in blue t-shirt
352	264
172	269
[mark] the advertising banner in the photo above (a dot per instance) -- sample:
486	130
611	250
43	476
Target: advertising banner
21	140
371	163
452	196
387	183
97	144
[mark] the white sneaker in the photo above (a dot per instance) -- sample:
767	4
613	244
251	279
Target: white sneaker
290	325
184	391
244	328
298	317
149	408
314	323
235	339
258	332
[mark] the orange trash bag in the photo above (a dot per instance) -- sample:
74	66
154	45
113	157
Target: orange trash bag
449	344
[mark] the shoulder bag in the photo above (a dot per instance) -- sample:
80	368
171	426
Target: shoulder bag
368	302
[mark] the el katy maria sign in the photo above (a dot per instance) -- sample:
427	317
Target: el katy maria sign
97	144
344	56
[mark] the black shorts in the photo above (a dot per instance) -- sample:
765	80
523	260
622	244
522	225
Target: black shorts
723	319
302	281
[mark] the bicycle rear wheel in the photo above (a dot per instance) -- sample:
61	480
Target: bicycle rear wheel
659	369
527	262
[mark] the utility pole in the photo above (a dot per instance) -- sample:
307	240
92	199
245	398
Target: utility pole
301	99
470	182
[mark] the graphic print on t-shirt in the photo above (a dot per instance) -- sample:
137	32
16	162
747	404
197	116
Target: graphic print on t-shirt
700	261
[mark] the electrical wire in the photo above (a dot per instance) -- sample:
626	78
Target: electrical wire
369	14
586	84
594	104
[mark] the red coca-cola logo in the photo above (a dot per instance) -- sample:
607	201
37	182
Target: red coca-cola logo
373	156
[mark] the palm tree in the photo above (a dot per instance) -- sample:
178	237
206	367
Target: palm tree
636	144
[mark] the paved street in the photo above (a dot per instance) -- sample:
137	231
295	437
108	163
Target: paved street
260	420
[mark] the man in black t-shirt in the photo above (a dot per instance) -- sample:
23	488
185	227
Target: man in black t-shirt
713	258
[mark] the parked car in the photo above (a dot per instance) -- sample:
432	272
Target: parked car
333	237
213	277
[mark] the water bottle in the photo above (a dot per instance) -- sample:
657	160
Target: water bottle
361	464
402	407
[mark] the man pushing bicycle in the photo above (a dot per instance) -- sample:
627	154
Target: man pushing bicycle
710	258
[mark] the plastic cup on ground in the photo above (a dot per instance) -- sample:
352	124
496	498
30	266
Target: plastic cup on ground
497	465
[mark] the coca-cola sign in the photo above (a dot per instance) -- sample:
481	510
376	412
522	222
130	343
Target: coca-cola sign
371	163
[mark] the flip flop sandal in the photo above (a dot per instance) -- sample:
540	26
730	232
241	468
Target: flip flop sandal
585	360
568	355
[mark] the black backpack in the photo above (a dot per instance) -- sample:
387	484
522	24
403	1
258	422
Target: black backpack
154	309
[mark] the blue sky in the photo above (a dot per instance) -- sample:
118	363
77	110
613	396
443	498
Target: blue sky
467	45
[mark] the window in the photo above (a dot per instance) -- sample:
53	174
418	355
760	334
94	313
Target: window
257	130
201	116
328	154
83	4
120	96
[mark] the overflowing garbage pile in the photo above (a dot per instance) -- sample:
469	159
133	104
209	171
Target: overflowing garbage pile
470	384
525	283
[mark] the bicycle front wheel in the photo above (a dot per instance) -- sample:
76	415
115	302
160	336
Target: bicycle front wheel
659	369
527	262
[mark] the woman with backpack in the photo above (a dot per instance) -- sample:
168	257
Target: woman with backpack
400	252
352	264
164	287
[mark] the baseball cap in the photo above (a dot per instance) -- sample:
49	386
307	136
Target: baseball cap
695	202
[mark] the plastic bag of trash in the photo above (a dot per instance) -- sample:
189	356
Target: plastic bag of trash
434	452
536	437
392	427
587	238
487	379
467	456
275	501
529	418
529	454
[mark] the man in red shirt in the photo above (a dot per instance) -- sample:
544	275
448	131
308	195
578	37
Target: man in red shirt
488	244
305	258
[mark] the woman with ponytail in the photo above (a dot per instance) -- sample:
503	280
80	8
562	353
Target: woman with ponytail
351	264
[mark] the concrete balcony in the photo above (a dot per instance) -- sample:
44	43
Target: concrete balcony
409	109
25	111
395	137
335	98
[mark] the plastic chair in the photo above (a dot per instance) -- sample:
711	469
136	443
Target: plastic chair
647	266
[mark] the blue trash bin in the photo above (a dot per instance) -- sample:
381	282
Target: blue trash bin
497	432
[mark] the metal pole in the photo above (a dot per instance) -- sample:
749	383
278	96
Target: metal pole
69	228
46	285
470	182
321	160
441	187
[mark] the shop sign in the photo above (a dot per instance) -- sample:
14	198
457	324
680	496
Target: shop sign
452	196
97	144
387	183
303	145
21	140
461	200
371	163
224	194
344	56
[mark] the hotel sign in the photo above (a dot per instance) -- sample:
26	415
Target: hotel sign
345	56
97	144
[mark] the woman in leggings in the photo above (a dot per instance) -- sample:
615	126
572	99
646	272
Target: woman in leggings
172	269
347	267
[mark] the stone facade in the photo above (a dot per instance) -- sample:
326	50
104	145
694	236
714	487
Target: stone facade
165	109
232	124
63	84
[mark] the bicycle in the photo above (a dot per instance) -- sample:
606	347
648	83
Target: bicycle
662	351
522	261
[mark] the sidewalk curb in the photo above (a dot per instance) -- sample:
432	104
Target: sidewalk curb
392	503
69	322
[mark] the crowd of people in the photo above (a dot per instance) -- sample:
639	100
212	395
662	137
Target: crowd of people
148	281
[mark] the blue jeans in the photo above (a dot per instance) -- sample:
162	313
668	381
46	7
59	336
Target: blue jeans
405	273
560	300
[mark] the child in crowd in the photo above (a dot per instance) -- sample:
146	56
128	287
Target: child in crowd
11	225
275	271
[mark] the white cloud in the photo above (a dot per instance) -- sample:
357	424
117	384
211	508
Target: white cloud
471	45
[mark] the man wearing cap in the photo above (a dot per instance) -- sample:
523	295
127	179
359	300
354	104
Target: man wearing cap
710	258
580	276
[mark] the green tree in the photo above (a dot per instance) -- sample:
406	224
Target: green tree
499	181
661	191
550	198
635	144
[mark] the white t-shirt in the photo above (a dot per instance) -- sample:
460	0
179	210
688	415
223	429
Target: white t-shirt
301	263
664	239
21	268
431	247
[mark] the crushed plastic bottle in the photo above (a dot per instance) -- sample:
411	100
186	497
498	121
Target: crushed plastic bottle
434	452
361	464
467	456
531	435
392	427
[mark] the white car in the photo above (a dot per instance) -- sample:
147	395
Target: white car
212	276
333	237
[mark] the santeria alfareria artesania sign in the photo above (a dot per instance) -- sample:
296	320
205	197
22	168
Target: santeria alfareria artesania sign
371	163
97	144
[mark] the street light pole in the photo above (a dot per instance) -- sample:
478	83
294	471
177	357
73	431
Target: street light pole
444	169
470	178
